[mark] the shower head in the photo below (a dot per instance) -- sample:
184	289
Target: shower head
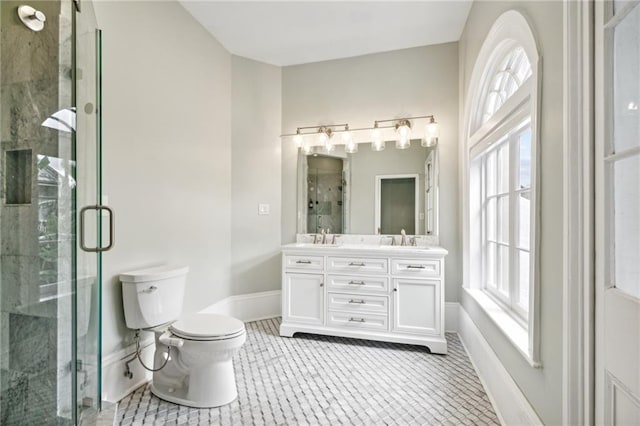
32	18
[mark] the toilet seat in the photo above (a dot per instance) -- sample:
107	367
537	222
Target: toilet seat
207	327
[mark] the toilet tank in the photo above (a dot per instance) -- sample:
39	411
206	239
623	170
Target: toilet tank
153	296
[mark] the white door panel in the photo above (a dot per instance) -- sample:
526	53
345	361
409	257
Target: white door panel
617	182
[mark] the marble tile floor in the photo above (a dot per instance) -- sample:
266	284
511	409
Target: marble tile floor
321	380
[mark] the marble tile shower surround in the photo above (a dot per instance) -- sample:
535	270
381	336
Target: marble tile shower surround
325	192
35	344
324	380
371	240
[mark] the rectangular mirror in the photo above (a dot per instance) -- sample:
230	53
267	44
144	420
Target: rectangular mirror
368	192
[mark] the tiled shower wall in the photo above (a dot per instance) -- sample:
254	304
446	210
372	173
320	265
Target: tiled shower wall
35	350
325	195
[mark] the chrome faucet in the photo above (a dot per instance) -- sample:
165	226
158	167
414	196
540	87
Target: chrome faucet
403	240
322	237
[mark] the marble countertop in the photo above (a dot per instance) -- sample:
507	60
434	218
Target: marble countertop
368	248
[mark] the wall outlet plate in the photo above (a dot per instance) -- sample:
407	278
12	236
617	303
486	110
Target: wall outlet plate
263	209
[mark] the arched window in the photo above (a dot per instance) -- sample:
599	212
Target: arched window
513	70
501	191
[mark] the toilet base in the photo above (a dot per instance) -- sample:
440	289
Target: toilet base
209	387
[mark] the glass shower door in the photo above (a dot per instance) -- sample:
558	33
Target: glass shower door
90	218
49	168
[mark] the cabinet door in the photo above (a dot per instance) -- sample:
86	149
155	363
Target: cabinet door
416	306
304	298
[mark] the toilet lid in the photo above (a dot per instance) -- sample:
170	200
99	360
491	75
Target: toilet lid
207	327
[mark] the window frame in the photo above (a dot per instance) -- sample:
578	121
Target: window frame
510	301
510	30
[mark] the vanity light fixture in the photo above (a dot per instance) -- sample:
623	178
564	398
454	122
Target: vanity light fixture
431	133
400	129
350	145
297	139
377	142
324	138
403	129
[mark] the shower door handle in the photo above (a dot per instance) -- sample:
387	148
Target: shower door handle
97	208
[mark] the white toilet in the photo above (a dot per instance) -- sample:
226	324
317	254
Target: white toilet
199	372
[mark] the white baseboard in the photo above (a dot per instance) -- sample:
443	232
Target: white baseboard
115	385
249	307
511	405
451	313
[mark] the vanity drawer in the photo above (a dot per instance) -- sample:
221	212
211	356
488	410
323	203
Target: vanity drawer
359	320
358	264
416	267
358	283
300	262
358	302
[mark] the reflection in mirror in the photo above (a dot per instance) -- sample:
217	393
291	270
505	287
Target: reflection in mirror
325	194
337	190
397	204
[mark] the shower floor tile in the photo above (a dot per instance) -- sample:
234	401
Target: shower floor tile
321	380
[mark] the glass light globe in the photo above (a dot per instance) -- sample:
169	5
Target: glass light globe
431	134
377	144
297	140
323	138
404	137
351	147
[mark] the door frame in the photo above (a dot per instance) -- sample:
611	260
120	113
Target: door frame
579	214
378	199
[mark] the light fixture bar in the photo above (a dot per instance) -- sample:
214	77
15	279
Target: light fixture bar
317	129
404	131
323	125
346	126
404	118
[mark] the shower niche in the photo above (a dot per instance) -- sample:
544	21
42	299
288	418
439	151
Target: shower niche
17	176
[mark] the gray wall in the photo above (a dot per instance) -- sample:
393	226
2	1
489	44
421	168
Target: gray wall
255	175
417	81
167	152
542	387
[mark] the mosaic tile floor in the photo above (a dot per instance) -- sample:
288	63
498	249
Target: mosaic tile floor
320	380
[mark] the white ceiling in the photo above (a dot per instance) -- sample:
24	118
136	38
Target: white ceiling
298	32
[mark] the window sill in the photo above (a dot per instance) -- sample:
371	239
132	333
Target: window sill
509	326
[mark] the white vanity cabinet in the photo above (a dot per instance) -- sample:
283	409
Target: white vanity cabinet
393	294
304	302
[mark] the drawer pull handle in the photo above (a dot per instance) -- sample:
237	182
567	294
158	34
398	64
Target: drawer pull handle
357	282
356	319
357	302
416	267
305	262
357	264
